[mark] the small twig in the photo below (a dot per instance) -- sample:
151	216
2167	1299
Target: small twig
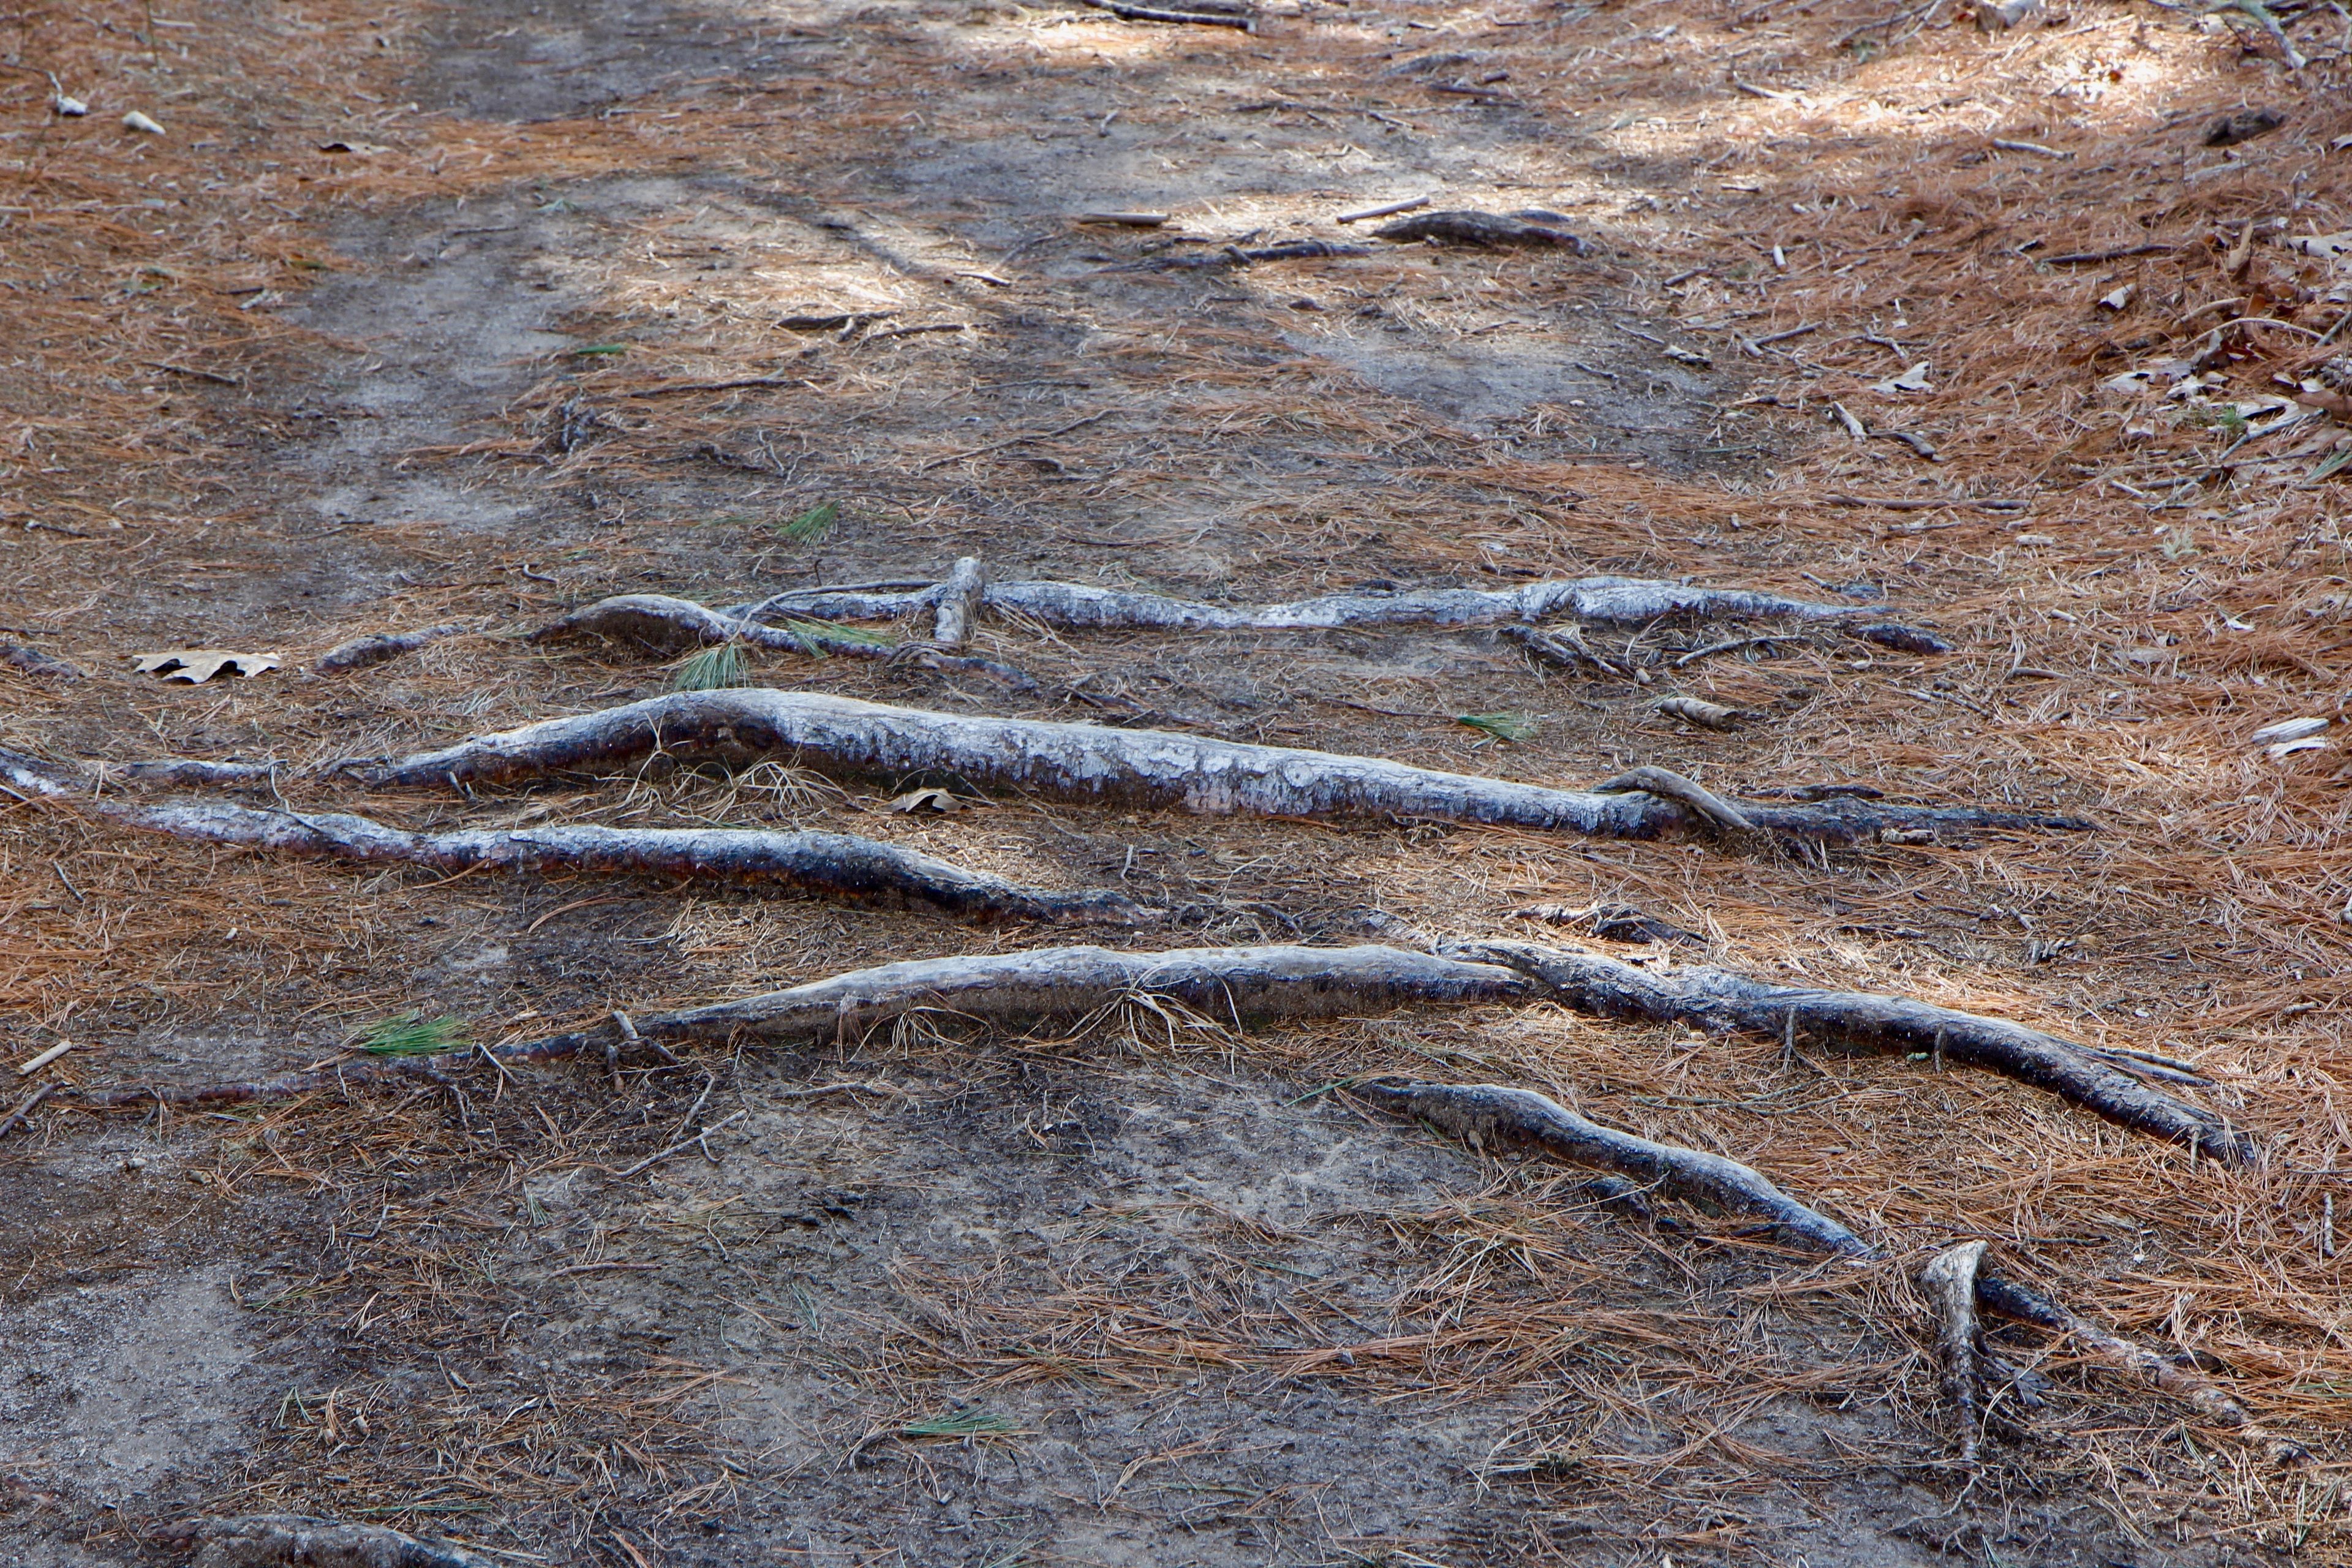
2261	15
31	1103
2034	147
1364	214
1154	14
1729	645
216	378
680	1146
1013	441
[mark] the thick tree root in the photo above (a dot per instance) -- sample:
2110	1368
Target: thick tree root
1483	1113
1240	986
1951	1282
1717	999
665	624
1089	764
835	865
1617	601
1236	985
291	1541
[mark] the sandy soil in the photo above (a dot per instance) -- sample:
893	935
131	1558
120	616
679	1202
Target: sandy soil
610	297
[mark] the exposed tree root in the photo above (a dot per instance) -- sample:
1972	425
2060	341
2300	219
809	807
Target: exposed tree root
665	624
1618	600
1482	1113
1230	984
33	661
1717	999
291	1541
1240	985
1088	762
958	602
835	865
1950	1282
361	652
1465	227
1227	985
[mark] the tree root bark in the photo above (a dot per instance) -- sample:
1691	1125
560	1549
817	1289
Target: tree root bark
1090	763
1480	1113
668	625
1618	600
360	653
1236	985
292	1541
1716	999
839	866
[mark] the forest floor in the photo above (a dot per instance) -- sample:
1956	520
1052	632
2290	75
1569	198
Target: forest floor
474	314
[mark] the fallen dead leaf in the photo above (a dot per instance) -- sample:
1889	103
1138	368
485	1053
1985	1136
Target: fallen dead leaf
197	665
936	800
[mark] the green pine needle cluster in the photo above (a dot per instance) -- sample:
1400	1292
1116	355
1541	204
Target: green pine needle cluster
412	1034
710	669
812	524
1502	726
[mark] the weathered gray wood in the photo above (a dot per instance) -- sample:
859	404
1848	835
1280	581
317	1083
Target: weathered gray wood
1090	763
1721	1000
840	866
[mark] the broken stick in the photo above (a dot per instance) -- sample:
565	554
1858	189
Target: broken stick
1950	1282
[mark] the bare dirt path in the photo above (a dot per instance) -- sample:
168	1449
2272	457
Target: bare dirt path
471	317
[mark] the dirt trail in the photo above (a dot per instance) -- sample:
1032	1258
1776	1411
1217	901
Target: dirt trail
477	315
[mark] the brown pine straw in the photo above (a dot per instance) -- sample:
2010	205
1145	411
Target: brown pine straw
2099	673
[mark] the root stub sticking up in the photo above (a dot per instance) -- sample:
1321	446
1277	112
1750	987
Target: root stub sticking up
1089	764
1240	986
1716	999
840	866
1480	1113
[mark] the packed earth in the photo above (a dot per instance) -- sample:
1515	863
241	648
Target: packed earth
1219	781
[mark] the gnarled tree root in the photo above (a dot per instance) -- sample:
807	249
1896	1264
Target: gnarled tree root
1492	1113
1088	762
1716	999
292	1541
1240	986
1236	985
1950	1283
1617	601
839	866
666	625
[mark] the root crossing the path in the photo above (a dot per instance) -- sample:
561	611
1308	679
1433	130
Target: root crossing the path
1482	1114
1089	764
840	866
1235	987
1614	601
293	1541
1716	999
